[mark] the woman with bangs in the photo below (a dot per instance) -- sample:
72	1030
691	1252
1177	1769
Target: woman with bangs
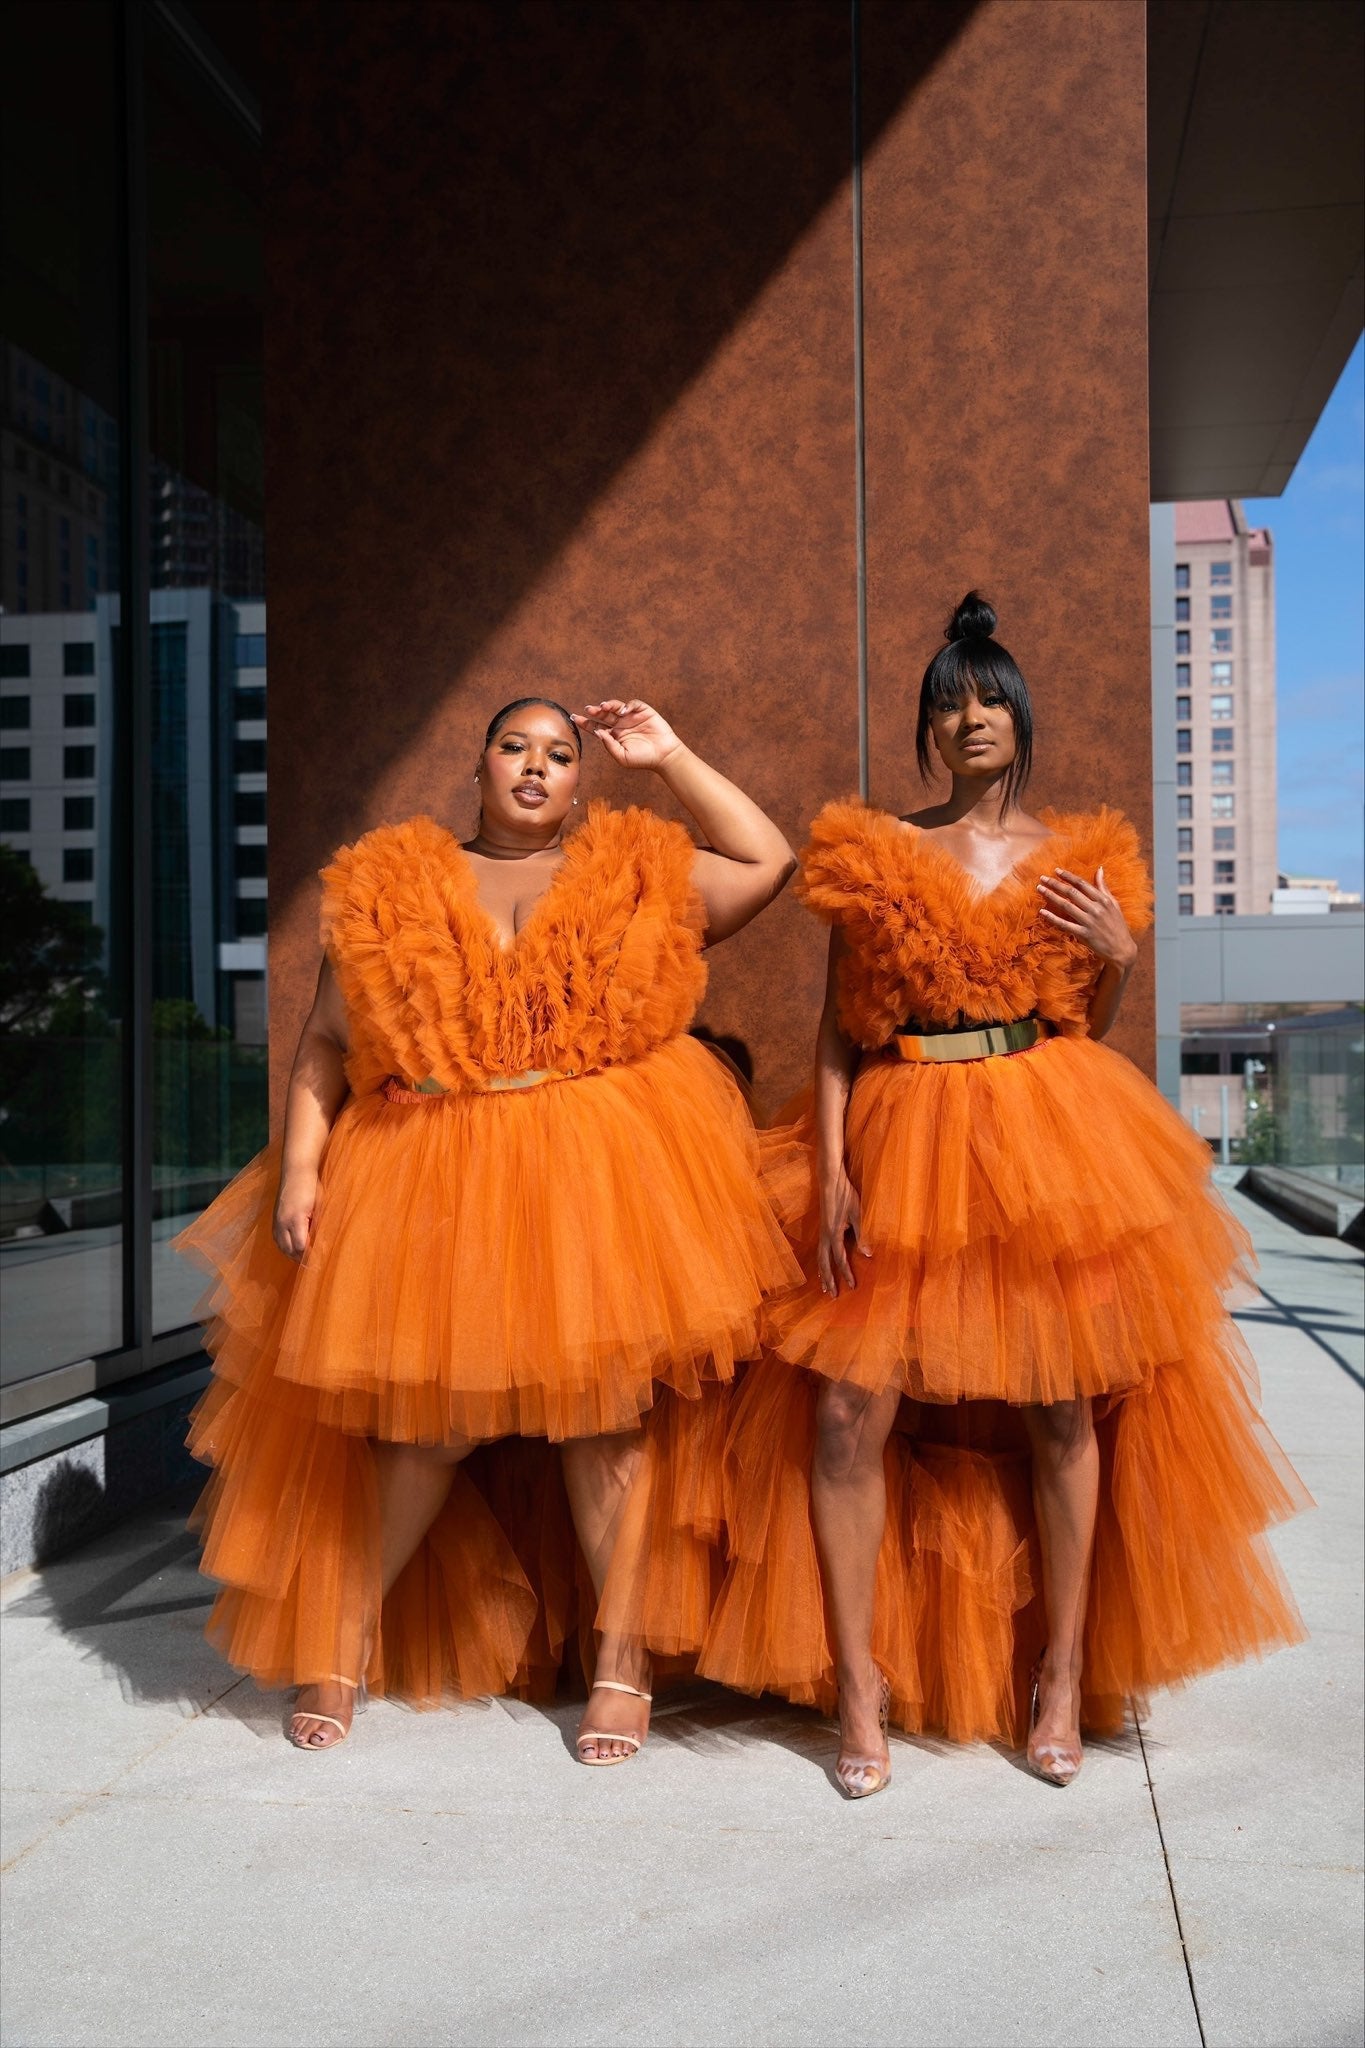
1002	1471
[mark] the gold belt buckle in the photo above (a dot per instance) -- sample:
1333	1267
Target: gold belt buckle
988	1041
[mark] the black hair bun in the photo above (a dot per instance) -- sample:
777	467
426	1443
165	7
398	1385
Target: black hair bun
973	619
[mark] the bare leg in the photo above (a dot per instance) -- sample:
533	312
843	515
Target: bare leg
598	1474
1066	1485
848	1504
414	1482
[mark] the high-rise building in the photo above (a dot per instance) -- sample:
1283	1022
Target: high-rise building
1225	710
57	790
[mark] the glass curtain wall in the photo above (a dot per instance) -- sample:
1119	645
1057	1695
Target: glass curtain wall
132	681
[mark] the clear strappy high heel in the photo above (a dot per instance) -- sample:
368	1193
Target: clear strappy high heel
1056	1763
858	1777
636	1742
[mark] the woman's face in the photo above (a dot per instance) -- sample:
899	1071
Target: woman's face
529	774
975	738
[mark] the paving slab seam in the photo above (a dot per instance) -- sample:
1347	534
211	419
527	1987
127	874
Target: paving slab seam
106	1791
1290	1316
1170	1881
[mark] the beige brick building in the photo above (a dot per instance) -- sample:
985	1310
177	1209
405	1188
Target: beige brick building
1225	710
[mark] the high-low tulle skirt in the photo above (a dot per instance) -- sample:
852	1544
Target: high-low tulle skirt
503	1270
1043	1227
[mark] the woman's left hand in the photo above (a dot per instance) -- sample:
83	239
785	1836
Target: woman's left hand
634	734
1086	911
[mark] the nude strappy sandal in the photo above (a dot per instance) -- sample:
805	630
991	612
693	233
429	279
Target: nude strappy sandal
608	1735
344	1728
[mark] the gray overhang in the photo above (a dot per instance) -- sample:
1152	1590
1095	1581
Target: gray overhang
1256	228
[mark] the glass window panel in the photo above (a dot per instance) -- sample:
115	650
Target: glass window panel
1224	838
78	764
15	812
1182	675
1220	572
1184	773
1186	837
1187	871
1221	771
1225	871
64	1013
1182	642
1224	806
1183	740
16	764
78	814
1182	575
15	714
1184	807
208	631
1220	675
1182	707
1182	608
1220	705
1224	906
1220	639
78	708
1220	607
1223	739
1187	906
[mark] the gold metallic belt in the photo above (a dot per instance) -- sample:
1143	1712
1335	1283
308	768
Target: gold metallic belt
980	1042
534	1077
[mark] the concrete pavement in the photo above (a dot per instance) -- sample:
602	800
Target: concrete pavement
176	1874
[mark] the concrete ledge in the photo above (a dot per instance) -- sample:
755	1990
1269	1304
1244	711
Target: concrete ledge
67	1476
1322	1206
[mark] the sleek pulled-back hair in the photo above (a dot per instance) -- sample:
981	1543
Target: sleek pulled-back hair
974	658
500	718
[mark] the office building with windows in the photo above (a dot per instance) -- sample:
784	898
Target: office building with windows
1224	574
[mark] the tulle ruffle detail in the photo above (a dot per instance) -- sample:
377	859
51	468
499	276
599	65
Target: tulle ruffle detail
1041	1228
1182	1579
497	1598
524	1263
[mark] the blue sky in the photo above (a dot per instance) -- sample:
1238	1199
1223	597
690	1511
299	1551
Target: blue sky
1319	529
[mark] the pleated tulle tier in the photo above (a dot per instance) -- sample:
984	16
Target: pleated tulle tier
1182	1579
499	1270
1041	1228
520	1263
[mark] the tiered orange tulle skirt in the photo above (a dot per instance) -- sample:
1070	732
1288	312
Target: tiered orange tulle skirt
1042	1228
506	1269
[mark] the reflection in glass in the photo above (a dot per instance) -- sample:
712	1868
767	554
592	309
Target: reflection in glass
62	987
208	656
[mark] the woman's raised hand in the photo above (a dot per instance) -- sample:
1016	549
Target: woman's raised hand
1086	911
294	1207
634	734
841	1216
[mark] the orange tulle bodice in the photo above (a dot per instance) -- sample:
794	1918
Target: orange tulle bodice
1042	1228
487	1262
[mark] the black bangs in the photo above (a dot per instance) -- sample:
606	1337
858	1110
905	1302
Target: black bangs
974	659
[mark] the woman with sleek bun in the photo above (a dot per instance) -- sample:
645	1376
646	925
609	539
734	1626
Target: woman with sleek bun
477	1310
1002	1471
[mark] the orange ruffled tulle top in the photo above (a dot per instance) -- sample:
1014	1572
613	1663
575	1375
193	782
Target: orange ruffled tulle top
487	1260
1042	1228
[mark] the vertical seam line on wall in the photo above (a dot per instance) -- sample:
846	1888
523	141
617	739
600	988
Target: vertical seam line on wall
859	438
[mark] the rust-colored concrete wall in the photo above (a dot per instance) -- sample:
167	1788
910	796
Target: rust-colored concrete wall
1005	298
560	396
